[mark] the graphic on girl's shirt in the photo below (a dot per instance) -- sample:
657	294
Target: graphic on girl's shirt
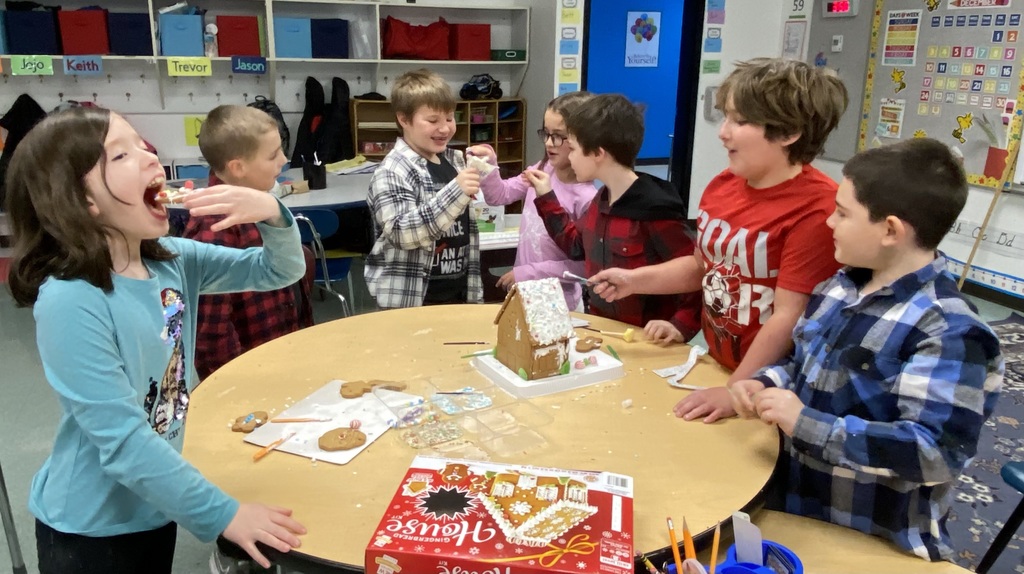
168	401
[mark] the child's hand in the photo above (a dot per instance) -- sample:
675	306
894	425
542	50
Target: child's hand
662	333
270	525
712	403
507	281
237	205
540	181
613	284
779	407
481	151
469	181
741	392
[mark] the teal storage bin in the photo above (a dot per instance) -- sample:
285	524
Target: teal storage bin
3	37
181	35
293	38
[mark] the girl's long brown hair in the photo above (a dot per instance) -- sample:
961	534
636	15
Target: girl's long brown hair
54	233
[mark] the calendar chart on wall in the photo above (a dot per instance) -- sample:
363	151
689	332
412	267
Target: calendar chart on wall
949	70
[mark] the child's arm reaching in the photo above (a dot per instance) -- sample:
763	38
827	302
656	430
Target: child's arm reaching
943	394
498	191
557	220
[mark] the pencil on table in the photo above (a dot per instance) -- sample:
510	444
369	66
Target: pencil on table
688	547
465	343
675	545
651	569
266	450
714	547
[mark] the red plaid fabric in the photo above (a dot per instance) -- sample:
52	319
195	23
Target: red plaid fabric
231	324
603	239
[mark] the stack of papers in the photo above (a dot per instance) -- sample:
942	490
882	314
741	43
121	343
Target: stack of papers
358	164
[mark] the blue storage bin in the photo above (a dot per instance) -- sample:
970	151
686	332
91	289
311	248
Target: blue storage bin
292	38
129	34
181	35
32	32
3	36
330	38
191	172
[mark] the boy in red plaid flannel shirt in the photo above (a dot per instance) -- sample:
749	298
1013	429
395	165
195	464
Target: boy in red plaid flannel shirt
243	147
635	219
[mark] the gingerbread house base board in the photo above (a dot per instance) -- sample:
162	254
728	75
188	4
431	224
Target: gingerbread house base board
455	515
606	369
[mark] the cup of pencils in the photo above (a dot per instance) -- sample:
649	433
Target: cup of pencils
776	559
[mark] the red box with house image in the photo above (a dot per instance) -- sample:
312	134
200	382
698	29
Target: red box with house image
452	515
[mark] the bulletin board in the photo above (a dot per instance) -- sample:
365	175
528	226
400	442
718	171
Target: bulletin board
949	70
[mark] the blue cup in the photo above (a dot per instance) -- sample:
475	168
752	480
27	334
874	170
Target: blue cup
731	566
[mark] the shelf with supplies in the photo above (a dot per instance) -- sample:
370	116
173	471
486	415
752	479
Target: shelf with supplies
280	40
498	123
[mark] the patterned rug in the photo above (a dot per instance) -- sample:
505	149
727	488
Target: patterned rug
983	501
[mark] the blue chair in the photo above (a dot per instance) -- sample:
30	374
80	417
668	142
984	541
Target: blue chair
315	225
1013	474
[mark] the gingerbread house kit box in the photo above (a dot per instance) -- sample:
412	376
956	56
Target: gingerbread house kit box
452	515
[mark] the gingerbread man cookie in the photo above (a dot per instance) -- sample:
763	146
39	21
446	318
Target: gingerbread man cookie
341	439
587	344
250	422
356	389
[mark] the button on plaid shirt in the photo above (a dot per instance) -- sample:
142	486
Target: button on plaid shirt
896	386
410	213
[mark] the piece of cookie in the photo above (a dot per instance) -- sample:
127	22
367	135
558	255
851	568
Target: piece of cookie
341	439
356	389
587	344
250	422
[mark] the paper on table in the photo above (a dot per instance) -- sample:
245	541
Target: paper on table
327	402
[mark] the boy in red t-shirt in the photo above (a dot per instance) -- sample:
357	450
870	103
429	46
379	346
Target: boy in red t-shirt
762	242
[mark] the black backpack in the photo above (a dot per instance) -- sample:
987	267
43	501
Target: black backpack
273	111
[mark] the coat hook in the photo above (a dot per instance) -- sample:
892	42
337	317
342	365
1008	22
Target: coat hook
94	97
5	78
284	79
218	97
143	78
297	95
231	78
128	96
257	80
190	97
385	80
359	79
108	78
245	97
61	96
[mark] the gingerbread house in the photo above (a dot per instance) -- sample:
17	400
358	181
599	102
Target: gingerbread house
533	510
534	329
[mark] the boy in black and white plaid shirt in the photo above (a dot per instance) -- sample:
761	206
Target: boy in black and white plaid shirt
427	250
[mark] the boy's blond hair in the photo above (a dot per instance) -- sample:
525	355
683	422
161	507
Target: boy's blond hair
420	88
233	132
788	98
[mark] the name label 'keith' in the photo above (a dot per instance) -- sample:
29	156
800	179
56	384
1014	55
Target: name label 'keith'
83	65
189	67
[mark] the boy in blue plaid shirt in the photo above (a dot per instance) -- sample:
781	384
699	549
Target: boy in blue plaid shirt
893	374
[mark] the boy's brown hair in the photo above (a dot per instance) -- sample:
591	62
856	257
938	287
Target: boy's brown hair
919	181
611	122
788	98
232	132
420	88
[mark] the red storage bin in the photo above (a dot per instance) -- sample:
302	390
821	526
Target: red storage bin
470	41
84	32
238	36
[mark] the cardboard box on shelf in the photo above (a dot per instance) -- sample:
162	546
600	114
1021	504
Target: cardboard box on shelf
455	515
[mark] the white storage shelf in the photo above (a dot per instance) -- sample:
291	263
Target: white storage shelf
509	30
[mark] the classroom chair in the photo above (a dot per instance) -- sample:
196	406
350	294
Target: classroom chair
315	225
1013	474
18	563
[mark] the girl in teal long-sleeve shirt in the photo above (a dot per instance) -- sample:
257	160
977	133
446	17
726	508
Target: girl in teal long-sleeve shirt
113	300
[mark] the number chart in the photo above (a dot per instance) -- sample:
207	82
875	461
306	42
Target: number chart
949	70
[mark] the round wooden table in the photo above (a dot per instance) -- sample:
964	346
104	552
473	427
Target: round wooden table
703	472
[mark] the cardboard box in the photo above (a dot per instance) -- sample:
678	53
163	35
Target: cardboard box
488	217
454	515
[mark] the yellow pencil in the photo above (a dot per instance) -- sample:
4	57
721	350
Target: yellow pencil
675	545
691	552
266	450
714	547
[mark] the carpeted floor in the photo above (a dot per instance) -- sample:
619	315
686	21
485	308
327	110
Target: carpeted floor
983	501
